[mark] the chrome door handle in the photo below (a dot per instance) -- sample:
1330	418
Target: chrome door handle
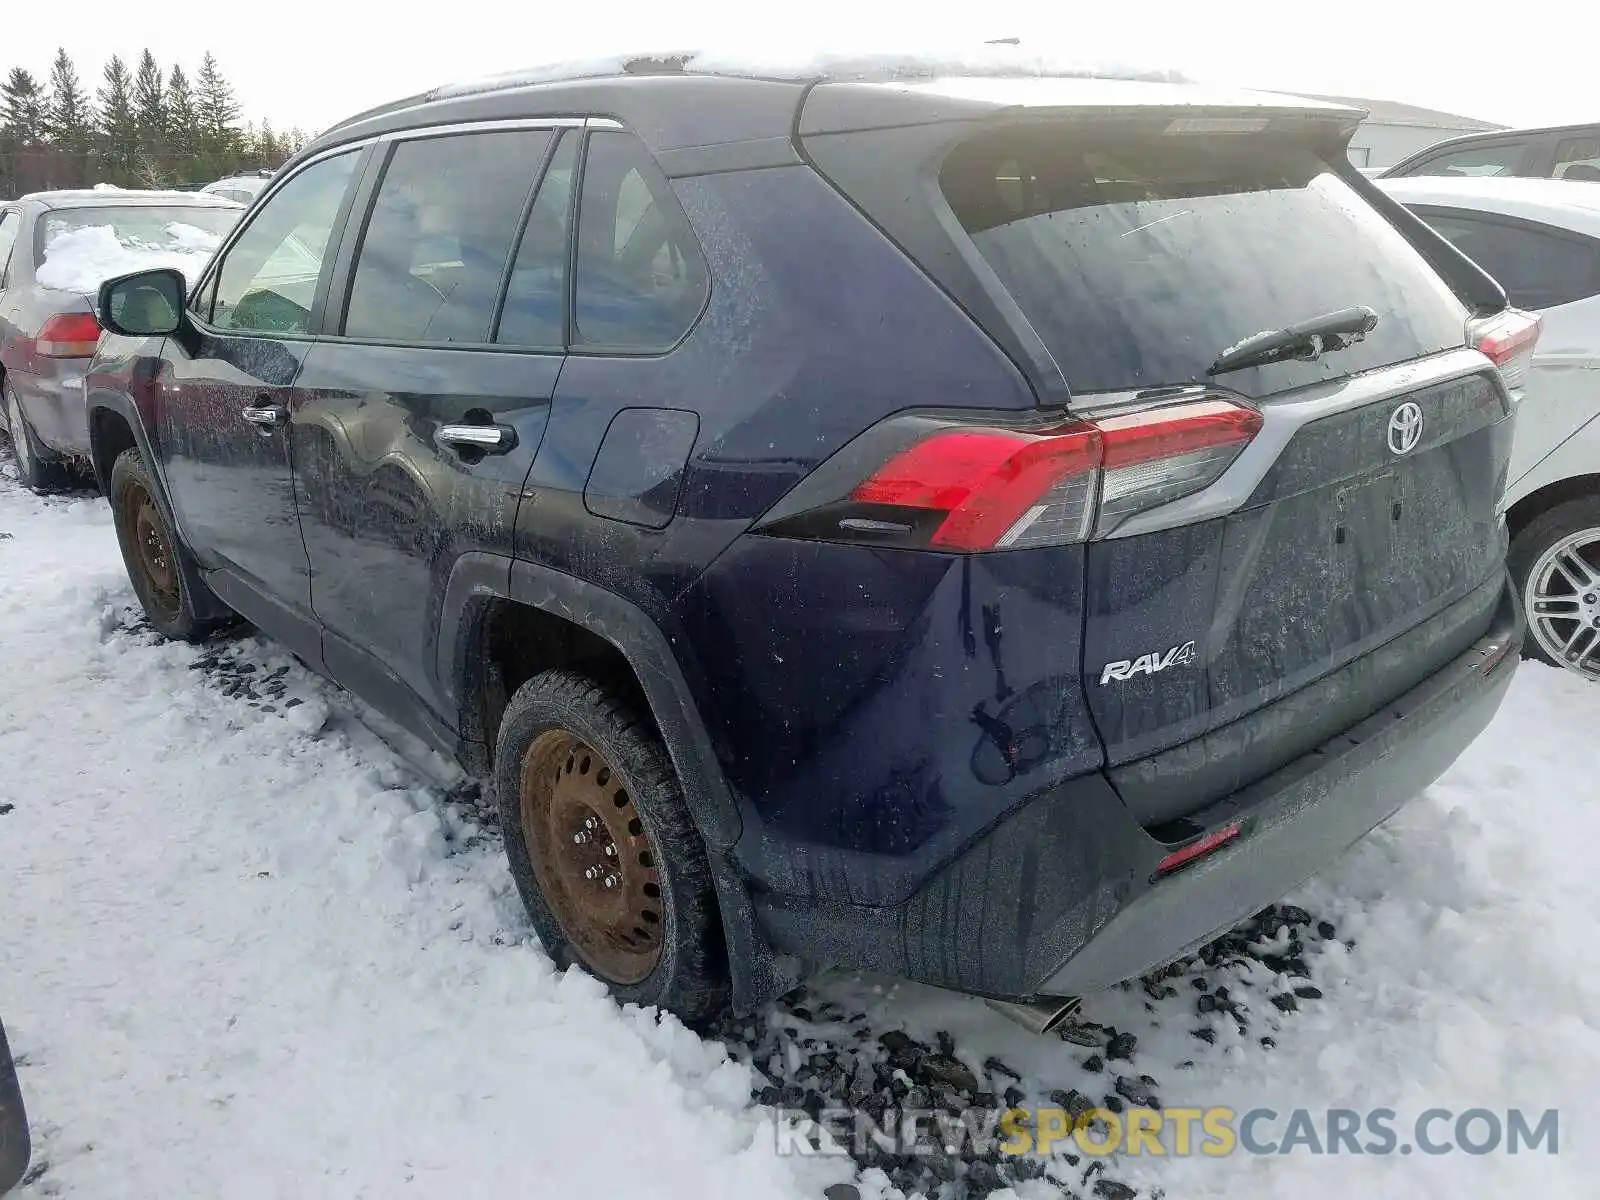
477	437
266	415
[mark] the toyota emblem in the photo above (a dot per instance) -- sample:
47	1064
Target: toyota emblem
1405	428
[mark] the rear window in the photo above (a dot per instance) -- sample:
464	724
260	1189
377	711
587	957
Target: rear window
165	227
1138	259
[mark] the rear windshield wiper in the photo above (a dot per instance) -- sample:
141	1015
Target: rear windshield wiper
1307	340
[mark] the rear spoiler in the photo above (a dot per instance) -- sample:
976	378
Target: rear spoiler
1478	290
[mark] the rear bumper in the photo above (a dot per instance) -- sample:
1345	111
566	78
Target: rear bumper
1299	818
54	404
1063	897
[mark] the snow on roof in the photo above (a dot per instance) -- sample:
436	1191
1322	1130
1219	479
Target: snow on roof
835	62
80	260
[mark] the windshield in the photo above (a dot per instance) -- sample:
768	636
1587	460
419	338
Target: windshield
1139	258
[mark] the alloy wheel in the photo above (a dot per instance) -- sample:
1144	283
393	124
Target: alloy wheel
1562	598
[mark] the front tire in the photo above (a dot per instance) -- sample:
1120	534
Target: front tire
609	865
163	578
34	471
1555	562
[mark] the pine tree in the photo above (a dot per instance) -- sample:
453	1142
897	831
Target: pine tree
22	132
119	127
68	117
182	125
22	109
267	150
150	112
217	116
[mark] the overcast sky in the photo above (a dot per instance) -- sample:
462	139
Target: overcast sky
312	62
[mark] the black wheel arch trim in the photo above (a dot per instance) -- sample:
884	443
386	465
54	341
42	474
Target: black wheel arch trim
476	580
207	608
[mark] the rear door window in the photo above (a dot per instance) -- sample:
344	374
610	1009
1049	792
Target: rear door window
1500	158
1578	159
1538	265
1139	258
437	244
535	310
641	280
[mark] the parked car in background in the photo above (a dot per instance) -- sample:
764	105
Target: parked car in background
241	189
1541	239
995	531
55	250
1569	152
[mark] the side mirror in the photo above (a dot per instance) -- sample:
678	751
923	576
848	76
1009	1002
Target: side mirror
14	1147
145	304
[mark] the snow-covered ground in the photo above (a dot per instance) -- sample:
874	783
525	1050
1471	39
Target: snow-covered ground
247	949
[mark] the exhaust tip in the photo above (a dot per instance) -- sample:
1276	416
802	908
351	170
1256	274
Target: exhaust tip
1042	1015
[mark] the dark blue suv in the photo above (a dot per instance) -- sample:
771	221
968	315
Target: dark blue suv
993	531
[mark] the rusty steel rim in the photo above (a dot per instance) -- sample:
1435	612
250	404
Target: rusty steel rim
592	857
151	549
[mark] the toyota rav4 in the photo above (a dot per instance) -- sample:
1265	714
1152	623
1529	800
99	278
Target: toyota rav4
993	531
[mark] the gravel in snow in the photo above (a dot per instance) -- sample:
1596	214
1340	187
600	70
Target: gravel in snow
250	948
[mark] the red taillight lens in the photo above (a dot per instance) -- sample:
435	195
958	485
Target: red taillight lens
1511	333
996	489
1507	339
70	335
985	480
1213	841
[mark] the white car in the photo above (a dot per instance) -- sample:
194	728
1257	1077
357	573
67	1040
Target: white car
241	189
1541	239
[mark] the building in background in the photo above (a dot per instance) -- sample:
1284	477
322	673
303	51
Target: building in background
1393	131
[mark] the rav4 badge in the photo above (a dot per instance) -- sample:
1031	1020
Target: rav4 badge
1147	664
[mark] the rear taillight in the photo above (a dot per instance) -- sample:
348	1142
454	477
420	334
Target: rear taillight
978	487
69	335
1507	339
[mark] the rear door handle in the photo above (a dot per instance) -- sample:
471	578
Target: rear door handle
266	414
492	439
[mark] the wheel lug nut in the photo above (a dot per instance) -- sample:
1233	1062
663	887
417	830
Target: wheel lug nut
611	850
581	836
612	881
592	873
591	823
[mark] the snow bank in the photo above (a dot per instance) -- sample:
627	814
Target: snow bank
249	953
80	260
837	60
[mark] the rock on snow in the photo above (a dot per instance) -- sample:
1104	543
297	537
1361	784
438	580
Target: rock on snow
248	949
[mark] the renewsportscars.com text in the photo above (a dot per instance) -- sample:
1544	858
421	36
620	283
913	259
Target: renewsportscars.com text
1214	1132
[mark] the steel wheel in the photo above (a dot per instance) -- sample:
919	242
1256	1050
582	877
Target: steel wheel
1562	598
154	557
592	856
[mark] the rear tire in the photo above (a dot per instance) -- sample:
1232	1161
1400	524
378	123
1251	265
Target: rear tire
608	862
1555	562
164	576
35	471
